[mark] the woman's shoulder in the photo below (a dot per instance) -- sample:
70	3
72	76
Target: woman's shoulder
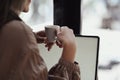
15	24
16	28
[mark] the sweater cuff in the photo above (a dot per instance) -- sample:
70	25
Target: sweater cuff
70	66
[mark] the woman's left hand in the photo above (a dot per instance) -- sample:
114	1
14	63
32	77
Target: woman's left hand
41	38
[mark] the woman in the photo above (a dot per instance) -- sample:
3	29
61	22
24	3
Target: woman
19	54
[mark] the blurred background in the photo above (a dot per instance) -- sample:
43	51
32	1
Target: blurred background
100	18
39	15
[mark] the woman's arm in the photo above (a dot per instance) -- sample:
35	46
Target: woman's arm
67	39
66	68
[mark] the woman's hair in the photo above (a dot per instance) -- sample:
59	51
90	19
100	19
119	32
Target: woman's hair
6	5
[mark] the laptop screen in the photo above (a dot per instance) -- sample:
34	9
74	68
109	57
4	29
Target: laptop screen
87	56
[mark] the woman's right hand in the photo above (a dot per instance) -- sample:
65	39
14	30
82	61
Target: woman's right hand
66	39
65	35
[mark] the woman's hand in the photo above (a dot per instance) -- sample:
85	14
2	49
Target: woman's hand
41	38
66	39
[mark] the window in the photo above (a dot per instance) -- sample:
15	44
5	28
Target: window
101	18
39	15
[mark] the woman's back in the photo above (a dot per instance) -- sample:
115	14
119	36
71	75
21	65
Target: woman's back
19	53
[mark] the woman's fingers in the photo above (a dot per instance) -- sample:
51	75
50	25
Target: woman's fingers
58	43
41	39
49	45
41	33
40	36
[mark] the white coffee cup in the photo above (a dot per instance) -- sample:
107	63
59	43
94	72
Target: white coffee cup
50	31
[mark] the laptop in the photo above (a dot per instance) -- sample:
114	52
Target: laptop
87	55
